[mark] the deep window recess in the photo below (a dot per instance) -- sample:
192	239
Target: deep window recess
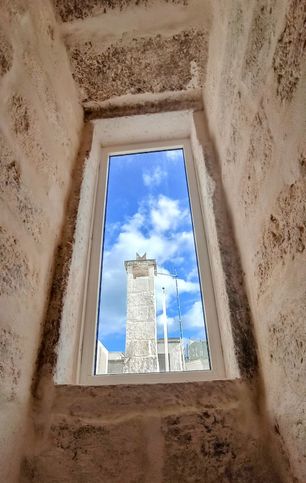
150	308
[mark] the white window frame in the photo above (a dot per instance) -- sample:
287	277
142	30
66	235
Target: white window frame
91	300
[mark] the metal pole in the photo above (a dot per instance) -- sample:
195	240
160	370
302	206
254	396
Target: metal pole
165	331
180	322
178	306
174	276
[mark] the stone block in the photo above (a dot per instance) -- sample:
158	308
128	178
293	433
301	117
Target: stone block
138	313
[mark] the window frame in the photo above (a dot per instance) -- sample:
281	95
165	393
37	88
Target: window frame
93	277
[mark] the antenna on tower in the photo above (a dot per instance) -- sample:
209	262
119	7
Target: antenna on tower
175	277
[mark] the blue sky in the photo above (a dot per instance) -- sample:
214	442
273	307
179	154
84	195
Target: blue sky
148	211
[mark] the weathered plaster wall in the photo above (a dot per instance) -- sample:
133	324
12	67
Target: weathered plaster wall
255	100
174	433
40	122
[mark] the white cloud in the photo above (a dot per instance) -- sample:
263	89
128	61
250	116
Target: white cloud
113	300
194	317
162	240
174	154
193	275
165	280
170	321
166	214
154	177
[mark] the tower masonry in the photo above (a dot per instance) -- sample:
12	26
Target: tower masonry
141	340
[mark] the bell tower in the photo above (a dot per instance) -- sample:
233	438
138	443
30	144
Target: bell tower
141	339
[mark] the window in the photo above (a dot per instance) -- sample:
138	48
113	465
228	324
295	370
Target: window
150	312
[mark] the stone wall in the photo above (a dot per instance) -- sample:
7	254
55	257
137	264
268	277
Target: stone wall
172	433
132	56
256	107
125	52
39	136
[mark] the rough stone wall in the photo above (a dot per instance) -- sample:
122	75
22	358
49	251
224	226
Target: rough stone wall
250	58
70	10
39	136
255	100
171	433
127	50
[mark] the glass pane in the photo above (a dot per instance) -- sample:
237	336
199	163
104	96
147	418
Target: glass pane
150	315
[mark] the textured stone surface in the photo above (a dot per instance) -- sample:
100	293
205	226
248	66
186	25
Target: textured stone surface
65	299
235	318
141	345
201	447
70	10
131	56
10	365
260	37
260	148
6	54
255	104
138	66
121	50
290	53
39	136
156	433
284	235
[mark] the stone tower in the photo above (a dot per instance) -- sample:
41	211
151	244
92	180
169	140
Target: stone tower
141	342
